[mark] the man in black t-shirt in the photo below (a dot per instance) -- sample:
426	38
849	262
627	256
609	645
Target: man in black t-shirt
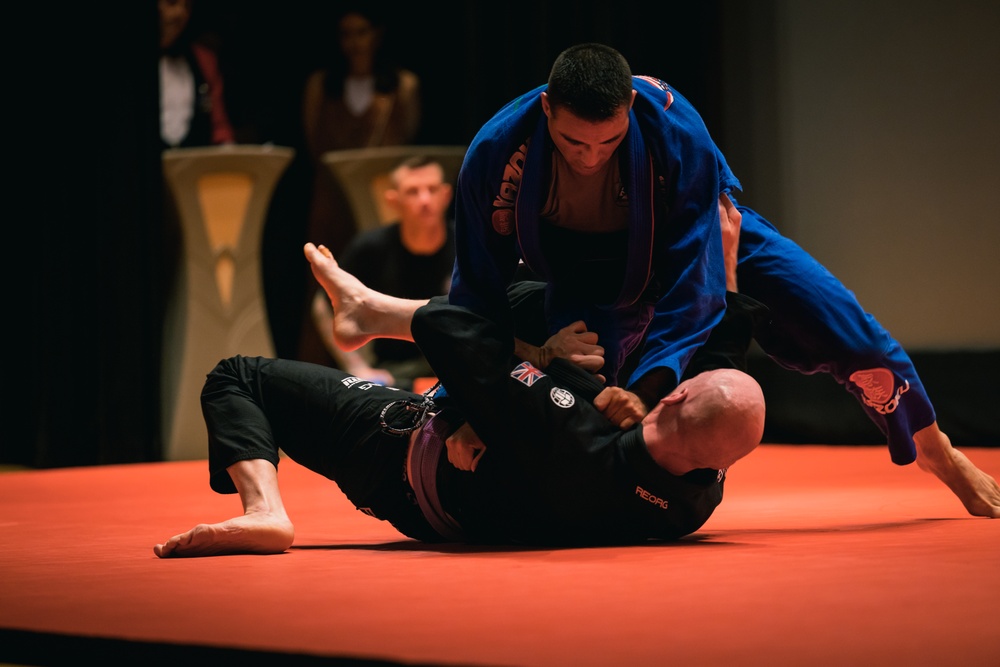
411	258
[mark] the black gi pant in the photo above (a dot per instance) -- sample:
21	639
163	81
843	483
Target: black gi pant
323	419
558	471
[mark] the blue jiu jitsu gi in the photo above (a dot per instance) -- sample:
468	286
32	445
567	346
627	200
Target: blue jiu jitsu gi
673	283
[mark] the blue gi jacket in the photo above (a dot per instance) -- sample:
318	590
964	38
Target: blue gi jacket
674	284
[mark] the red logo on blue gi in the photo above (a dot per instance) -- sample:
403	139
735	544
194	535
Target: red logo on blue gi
526	373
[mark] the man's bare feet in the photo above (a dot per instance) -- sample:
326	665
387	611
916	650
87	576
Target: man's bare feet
359	312
347	295
264	527
979	492
252	533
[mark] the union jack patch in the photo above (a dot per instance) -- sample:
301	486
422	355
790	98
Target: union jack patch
526	373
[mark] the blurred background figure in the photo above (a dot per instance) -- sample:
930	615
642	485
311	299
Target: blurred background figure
361	98
411	258
192	108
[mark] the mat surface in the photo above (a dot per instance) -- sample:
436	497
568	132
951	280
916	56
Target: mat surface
818	556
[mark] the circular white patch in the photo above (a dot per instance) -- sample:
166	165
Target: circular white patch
562	398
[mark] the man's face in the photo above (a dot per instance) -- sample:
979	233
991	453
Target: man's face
421	196
585	145
174	15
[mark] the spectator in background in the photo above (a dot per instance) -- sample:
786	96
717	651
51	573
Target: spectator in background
411	258
192	113
192	108
360	99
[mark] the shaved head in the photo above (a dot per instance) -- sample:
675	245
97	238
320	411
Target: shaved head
710	421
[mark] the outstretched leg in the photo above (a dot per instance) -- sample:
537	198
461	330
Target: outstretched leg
817	324
359	312
263	528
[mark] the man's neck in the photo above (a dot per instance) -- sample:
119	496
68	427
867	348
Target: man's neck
421	240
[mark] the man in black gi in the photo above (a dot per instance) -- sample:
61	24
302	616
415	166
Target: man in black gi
510	454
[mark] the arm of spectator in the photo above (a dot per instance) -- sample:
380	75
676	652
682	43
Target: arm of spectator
354	361
410	102
312	100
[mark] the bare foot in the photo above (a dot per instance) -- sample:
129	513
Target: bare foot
252	533
978	491
348	295
359	312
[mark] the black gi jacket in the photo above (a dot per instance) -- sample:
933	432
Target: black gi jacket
556	471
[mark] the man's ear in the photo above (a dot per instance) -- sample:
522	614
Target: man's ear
675	397
547	107
391	197
446	193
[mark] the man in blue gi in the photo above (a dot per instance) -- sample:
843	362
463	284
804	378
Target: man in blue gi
609	188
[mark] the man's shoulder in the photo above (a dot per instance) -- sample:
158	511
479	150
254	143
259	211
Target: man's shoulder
508	124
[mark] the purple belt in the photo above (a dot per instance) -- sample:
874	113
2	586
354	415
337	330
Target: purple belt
424	456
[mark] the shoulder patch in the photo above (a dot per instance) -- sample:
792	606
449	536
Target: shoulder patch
503	221
562	397
526	374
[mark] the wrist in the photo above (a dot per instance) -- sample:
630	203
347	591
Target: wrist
544	357
537	356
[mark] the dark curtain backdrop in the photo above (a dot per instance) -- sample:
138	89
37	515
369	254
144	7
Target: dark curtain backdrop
86	272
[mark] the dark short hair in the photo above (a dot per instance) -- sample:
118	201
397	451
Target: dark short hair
417	161
592	80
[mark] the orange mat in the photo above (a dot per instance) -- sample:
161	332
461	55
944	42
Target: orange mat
818	556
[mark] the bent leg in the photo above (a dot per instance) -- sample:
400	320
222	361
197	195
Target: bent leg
322	419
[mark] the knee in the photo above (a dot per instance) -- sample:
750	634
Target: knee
228	372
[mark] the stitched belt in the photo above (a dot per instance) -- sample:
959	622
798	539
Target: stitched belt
424	455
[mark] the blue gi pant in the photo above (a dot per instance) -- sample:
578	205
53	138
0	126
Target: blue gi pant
818	326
